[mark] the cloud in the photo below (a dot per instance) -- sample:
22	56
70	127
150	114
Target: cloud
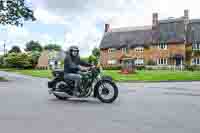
83	20
13	35
45	17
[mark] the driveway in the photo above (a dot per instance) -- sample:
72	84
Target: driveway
26	107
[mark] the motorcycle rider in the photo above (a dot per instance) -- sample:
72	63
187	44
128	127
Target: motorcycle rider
72	65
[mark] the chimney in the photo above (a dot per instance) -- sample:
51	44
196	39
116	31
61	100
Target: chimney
186	14
107	27
155	19
186	22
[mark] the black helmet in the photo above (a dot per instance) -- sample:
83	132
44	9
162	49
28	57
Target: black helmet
73	50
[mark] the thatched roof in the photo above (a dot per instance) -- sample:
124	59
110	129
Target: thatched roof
167	31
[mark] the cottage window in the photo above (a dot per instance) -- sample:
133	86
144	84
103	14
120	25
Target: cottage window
196	46
139	61
139	49
162	46
125	50
111	50
162	61
112	62
196	61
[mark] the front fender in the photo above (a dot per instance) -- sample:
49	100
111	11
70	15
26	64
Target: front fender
107	78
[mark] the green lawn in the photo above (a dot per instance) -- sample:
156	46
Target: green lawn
154	75
2	79
34	73
143	75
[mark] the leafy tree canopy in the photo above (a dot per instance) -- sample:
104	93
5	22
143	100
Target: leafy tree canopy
55	47
93	60
15	12
33	46
96	52
15	49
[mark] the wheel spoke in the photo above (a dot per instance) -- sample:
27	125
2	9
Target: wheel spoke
110	91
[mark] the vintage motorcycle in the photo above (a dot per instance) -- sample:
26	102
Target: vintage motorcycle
93	83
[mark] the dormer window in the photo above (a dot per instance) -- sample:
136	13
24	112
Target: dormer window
111	50
162	45
196	46
124	50
139	49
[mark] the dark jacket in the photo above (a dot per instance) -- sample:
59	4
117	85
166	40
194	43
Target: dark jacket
71	64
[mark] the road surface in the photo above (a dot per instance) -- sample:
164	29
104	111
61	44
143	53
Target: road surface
26	107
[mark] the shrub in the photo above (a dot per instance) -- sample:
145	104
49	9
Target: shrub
192	68
18	60
2	62
140	67
151	63
149	68
93	60
112	68
85	59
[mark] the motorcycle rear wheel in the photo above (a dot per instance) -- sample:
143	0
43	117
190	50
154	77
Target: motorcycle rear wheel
59	97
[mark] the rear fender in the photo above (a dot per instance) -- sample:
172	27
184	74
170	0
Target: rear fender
52	83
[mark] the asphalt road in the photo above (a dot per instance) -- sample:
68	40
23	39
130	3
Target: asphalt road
26	107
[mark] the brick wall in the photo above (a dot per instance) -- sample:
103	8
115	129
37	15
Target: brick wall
155	53
151	53
191	54
43	60
105	56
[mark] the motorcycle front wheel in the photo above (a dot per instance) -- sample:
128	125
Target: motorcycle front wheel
107	91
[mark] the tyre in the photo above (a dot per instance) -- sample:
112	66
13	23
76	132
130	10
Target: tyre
60	97
59	86
107	91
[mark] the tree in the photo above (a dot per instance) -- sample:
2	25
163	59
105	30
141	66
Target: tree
33	46
34	57
15	12
1	61
15	49
93	60
18	60
96	52
52	47
86	59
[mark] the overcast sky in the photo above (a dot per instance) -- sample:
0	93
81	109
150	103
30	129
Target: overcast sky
81	22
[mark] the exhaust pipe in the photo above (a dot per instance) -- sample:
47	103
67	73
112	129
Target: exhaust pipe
62	94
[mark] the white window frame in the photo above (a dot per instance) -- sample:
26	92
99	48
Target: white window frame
139	61
196	46
139	49
125	50
111	50
163	46
195	61
162	61
112	62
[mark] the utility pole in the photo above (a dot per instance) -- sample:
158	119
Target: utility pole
4	48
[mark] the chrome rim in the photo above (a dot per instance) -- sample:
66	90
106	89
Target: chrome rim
106	91
60	85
